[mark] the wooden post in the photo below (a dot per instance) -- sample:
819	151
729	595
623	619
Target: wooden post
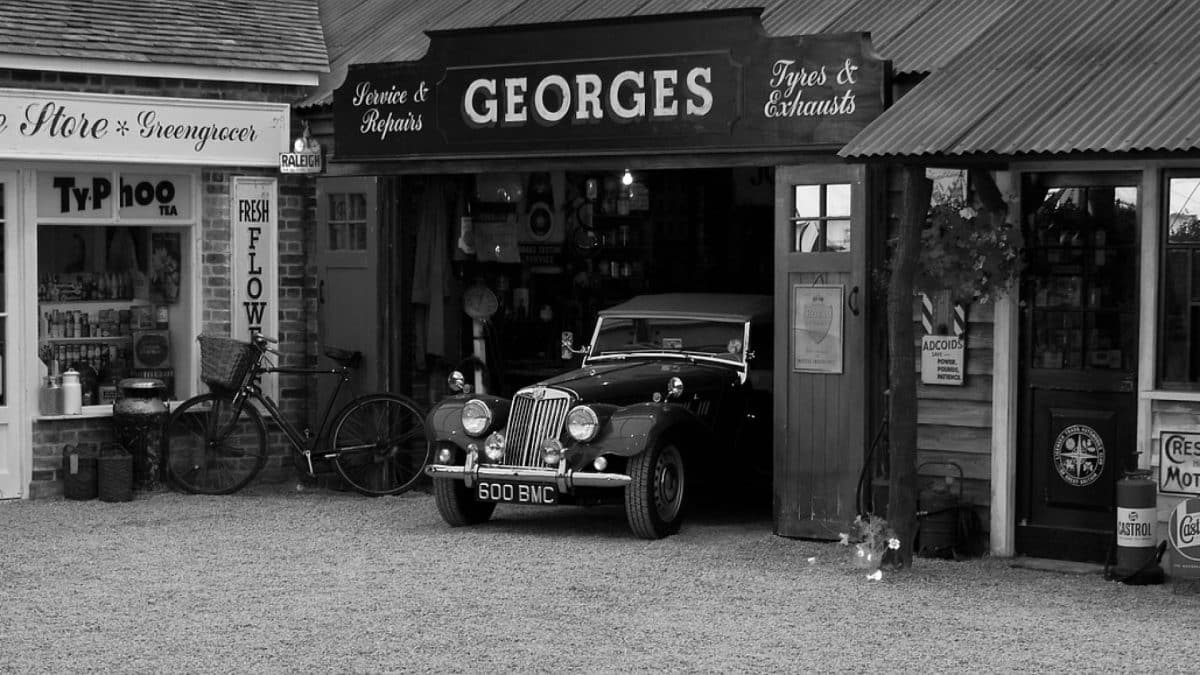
902	428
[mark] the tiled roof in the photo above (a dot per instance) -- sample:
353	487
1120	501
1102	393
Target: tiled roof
1056	77
917	35
284	35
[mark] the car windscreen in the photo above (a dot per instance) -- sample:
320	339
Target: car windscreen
718	339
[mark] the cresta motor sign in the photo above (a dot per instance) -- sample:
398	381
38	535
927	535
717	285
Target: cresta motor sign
681	83
1179	463
65	125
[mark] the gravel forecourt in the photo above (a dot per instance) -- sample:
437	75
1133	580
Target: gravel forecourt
277	579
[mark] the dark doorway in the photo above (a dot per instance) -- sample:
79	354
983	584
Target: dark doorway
1079	300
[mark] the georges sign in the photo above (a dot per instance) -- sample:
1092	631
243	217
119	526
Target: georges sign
645	84
98	127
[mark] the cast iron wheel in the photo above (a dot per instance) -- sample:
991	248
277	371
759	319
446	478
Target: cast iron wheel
654	498
379	444
207	451
457	505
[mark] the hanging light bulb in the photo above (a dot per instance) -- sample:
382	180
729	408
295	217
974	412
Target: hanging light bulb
627	178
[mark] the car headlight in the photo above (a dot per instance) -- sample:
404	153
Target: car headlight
582	423
674	387
476	417
493	447
552	452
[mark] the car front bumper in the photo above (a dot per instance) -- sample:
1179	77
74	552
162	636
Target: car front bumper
563	478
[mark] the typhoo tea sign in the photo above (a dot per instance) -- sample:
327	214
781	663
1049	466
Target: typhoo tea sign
651	83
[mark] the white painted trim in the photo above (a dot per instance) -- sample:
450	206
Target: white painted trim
182	71
1169	395
1005	401
1147	306
13	434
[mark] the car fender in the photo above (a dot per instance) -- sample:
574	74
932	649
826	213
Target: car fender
633	429
444	421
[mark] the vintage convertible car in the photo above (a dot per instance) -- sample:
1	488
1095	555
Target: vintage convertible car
670	387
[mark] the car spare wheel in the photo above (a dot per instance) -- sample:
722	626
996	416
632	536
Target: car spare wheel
457	505
654	497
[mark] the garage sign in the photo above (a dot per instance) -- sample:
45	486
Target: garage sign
943	359
1183	531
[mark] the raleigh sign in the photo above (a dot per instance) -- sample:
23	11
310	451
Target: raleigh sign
101	127
686	83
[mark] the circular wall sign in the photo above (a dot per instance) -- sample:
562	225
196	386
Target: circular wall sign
1079	455
479	302
1184	529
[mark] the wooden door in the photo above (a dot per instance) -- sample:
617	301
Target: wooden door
821	360
11	473
1079	299
348	278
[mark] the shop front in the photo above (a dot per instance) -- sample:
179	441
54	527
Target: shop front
517	180
118	215
1093	353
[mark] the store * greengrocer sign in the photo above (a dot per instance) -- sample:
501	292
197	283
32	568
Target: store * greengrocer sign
682	83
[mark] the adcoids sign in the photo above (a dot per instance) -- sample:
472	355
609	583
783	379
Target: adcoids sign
692	83
103	127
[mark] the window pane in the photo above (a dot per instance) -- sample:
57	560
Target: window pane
337	207
808	201
807	236
837	200
837	235
1175	317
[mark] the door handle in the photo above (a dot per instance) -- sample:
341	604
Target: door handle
321	292
852	301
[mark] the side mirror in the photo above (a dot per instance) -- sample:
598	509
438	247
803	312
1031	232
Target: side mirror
568	346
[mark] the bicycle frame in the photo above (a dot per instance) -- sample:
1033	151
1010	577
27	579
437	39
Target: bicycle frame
303	441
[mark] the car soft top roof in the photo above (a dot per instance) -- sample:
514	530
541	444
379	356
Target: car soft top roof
709	306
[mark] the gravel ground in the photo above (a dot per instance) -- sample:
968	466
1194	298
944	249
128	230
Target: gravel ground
310	580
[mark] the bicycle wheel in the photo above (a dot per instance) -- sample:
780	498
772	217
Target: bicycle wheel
379	444
207	451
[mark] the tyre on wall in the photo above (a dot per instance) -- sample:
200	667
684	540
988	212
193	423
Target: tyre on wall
457	504
654	498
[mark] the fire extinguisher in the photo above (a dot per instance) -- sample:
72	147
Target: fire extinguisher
1137	519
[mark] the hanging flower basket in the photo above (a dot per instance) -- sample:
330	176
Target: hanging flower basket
972	254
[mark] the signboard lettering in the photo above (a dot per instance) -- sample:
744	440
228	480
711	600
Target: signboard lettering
82	126
94	196
1183	531
1179	463
640	84
255	261
943	359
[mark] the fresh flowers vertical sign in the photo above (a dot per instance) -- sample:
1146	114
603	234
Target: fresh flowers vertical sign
255	255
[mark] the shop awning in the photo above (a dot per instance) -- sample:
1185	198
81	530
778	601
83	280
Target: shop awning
1056	77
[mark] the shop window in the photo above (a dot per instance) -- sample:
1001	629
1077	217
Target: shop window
115	281
347	226
821	218
1179	315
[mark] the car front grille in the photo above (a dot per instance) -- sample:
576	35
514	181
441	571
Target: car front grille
537	413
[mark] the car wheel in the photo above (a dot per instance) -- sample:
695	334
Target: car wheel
457	505
654	497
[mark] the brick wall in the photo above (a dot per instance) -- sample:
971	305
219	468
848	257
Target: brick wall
297	296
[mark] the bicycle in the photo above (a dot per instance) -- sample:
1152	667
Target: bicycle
216	443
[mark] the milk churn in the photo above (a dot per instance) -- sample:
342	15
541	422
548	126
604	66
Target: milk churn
138	417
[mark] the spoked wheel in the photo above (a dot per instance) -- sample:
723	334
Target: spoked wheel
654	497
379	444
208	451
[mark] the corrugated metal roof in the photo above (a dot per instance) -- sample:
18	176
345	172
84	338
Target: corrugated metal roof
1056	77
372	31
250	34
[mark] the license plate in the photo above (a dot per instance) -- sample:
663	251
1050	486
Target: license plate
516	493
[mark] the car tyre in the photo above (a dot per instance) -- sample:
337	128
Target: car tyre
457	505
654	499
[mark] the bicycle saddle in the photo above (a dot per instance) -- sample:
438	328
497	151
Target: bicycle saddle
350	359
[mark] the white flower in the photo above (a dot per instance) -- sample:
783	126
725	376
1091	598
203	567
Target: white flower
894	544
966	213
875	576
843	539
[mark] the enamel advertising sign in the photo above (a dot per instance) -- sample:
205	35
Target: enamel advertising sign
682	83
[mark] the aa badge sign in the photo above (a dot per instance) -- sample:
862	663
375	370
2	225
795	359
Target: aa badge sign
817	329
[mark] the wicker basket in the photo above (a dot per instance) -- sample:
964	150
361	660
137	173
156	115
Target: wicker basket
115	475
224	362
